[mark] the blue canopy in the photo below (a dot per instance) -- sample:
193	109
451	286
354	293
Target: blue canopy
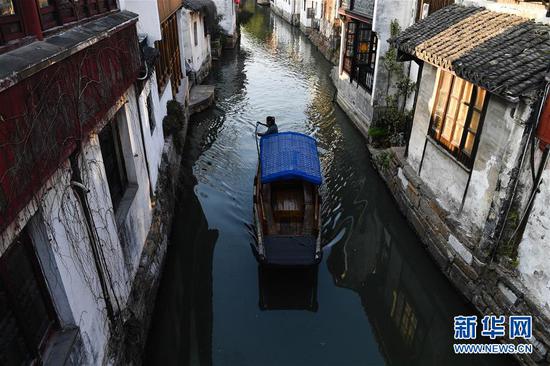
289	155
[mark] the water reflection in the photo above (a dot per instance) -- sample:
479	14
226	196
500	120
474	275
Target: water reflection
288	288
376	299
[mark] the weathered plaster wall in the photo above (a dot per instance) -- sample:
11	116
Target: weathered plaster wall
491	288
226	8
421	123
536	11
154	140
149	22
354	100
198	56
61	229
385	11
305	22
448	178
534	265
133	227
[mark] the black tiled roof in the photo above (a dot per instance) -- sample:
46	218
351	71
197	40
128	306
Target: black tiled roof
503	53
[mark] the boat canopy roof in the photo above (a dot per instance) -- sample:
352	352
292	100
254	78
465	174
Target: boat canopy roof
288	156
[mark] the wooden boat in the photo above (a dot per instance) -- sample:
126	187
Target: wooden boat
287	202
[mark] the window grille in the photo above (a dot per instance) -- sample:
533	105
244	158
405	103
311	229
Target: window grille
168	65
360	53
457	116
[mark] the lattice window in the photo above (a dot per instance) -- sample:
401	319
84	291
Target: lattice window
457	116
360	53
59	12
168	65
11	24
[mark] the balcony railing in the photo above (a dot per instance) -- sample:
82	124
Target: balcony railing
22	18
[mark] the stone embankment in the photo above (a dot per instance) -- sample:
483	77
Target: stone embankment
490	287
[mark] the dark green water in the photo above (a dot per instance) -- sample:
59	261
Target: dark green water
376	299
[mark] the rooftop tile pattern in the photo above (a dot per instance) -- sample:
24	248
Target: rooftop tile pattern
503	53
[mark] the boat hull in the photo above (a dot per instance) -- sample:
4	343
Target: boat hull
285	249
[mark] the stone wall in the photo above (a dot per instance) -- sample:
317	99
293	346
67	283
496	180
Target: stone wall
355	101
491	288
127	342
328	46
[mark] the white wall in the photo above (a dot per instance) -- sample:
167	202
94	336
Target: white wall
534	265
317	5
288	9
198	54
536	11
495	159
63	222
228	10
154	141
149	21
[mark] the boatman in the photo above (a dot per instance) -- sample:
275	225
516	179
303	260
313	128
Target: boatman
271	126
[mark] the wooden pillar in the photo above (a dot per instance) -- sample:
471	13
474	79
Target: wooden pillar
31	18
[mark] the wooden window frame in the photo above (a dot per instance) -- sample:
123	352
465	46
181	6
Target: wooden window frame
459	153
359	65
24	239
67	11
195	33
6	20
168	66
120	163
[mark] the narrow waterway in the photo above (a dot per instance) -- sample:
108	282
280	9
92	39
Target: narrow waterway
376	299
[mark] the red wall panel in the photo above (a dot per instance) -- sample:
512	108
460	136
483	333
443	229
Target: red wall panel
45	116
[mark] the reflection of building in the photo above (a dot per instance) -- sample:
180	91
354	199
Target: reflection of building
181	329
410	311
288	289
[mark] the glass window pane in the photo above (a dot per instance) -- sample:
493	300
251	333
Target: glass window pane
457	87
6	7
447	129
475	121
446	82
43	3
469	145
467	95
457	135
480	98
451	109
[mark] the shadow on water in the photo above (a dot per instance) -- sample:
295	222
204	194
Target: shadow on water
376	299
288	289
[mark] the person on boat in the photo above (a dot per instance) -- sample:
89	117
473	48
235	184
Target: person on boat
271	126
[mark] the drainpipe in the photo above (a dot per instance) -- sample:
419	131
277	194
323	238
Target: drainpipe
530	140
409	128
151	194
81	192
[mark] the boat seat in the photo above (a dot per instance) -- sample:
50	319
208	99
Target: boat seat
288	204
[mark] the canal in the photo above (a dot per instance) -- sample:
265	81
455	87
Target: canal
376	298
